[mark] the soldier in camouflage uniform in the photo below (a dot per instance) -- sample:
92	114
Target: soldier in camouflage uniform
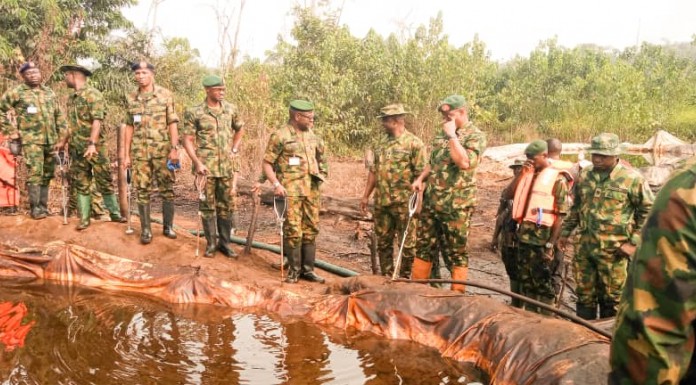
610	205
399	159
88	151
505	234
654	334
294	162
217	128
541	213
151	141
38	122
450	195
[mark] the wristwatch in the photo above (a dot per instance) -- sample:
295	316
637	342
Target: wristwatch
548	245
276	184
91	143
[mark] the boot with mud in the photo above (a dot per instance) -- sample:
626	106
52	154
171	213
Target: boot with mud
84	209
294	265
168	219
586	312
210	236
112	206
309	253
224	227
145	230
43	200
34	205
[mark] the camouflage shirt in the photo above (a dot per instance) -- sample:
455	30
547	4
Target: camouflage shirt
450	188
398	161
297	158
214	130
532	234
84	106
39	119
150	115
610	207
654	334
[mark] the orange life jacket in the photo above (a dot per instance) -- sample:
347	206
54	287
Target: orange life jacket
9	194
534	201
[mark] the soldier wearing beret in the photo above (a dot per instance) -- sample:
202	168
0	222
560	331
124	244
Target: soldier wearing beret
539	205
151	143
399	159
654	334
88	151
610	204
39	123
450	193
505	233
217	129
294	163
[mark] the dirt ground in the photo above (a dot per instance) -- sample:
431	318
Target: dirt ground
341	241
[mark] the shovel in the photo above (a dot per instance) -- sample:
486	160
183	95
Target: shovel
412	207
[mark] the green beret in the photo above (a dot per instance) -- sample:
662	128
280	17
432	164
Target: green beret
301	105
536	148
212	81
452	102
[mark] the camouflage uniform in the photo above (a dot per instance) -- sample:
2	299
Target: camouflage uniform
40	123
85	106
398	161
609	210
301	182
449	199
151	142
535	274
507	240
214	129
654	334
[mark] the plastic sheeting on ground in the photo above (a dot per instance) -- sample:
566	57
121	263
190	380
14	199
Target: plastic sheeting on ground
512	346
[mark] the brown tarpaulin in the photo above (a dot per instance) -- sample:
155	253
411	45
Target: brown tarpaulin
512	346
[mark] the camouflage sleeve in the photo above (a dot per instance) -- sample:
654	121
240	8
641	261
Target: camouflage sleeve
476	145
172	117
189	123
61	121
418	156
273	149
237	122
642	200
654	334
97	105
321	160
572	219
560	194
372	167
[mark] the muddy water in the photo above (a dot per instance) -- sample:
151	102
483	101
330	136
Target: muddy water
84	336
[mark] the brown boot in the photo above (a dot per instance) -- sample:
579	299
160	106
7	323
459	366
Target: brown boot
421	269
459	273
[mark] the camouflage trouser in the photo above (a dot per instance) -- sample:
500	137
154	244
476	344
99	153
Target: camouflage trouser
600	273
390	223
511	260
447	233
98	208
84	171
40	163
147	171
535	274
219	198
301	219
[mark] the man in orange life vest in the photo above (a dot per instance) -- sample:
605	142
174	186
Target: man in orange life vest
539	205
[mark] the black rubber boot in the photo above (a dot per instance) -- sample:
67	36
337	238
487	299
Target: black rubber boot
585	312
84	207
145	230
515	288
224	227
309	252
43	200
294	265
168	219
34	205
210	235
607	309
114	211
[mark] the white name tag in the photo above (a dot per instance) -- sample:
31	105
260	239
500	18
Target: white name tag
137	118
294	161
32	110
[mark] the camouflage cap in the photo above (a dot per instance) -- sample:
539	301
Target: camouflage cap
301	105
452	102
536	147
517	163
212	81
605	144
26	66
76	67
392	110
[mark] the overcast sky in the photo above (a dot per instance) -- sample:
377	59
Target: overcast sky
508	27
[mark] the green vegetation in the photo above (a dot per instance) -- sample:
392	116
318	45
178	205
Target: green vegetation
554	91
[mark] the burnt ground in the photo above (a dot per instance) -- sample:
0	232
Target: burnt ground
342	241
